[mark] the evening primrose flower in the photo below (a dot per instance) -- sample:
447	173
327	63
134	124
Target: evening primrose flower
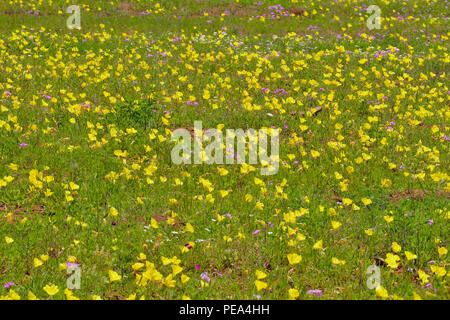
423	276
396	247
381	292
51	289
260	285
391	260
9	240
260	275
114	276
318	245
294	258
31	296
37	262
293	294
410	255
442	251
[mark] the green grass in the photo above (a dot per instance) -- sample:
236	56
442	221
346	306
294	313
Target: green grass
123	82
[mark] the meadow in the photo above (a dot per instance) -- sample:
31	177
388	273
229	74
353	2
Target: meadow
359	206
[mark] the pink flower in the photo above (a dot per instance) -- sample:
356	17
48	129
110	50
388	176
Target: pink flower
316	292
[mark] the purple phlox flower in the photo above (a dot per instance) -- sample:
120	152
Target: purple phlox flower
316	292
70	264
256	231
204	276
9	284
23	144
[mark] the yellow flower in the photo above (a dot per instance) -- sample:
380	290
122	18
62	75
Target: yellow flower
260	275
336	225
440	271
315	153
293	294
318	245
37	262
294	258
366	201
391	260
184	278
166	261
382	292
410	255
169	282
423	276
51	289
153	223
9	240
137	266
189	228
336	261
176	269
396	247
113	276
442	251
31	296
369	232
113	212
13	295
388	218
260	285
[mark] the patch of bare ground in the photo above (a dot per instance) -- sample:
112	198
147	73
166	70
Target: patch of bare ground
415	194
161	217
18	212
230	9
297	11
128	9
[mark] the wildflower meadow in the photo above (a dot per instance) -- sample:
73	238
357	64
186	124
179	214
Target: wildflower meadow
224	149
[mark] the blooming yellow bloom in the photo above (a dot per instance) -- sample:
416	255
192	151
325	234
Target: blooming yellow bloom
260	285
114	276
9	240
382	292
410	255
294	258
442	251
318	245
51	289
260	275
396	247
293	294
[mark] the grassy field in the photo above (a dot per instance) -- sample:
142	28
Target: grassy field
87	180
